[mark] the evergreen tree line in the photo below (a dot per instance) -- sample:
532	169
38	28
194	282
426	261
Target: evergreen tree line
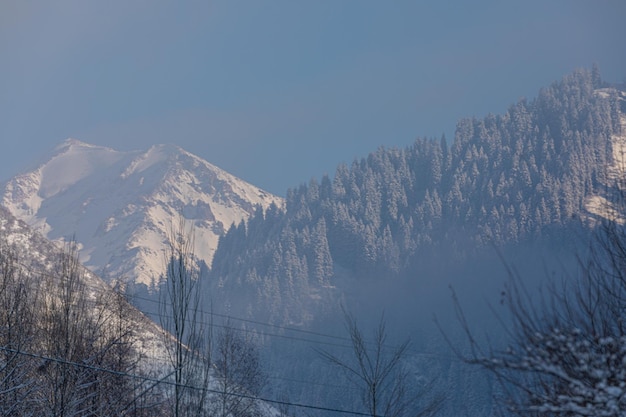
504	179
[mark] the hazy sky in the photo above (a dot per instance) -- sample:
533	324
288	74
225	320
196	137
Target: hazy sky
277	92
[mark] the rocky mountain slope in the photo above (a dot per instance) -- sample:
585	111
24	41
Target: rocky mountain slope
120	206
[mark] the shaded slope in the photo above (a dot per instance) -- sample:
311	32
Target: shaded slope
524	175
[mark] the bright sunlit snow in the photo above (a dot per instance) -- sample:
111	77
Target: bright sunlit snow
120	206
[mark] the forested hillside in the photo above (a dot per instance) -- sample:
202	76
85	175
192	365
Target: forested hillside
504	179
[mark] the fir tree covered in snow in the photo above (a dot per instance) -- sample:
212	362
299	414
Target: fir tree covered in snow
504	179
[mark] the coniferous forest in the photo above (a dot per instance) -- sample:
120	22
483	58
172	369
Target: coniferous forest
504	179
431	246
387	234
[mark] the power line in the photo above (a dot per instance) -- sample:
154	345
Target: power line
201	311
103	289
166	382
204	313
276	326
211	323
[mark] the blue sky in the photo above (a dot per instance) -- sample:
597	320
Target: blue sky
278	92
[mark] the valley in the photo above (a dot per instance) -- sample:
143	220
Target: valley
402	236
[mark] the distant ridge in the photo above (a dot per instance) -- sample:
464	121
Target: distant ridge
119	206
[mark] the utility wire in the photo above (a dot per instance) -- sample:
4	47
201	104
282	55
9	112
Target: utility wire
204	313
208	314
102	290
276	326
201	311
166	382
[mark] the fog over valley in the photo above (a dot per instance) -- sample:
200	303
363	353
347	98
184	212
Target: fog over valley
321	209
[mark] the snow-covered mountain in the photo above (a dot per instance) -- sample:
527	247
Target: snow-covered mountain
120	206
599	205
37	255
142	350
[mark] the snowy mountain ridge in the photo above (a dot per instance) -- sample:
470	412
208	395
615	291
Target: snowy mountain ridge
120	206
37	255
94	308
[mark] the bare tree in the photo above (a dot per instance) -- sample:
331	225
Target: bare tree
17	332
240	377
85	346
567	346
378	372
188	338
67	335
115	392
66	348
283	407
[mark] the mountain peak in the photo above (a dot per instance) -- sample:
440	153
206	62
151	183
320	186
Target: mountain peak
168	147
72	143
119	206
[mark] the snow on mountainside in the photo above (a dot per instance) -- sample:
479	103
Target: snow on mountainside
119	206
600	205
37	255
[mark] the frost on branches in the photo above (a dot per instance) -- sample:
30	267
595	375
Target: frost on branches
567	354
567	373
